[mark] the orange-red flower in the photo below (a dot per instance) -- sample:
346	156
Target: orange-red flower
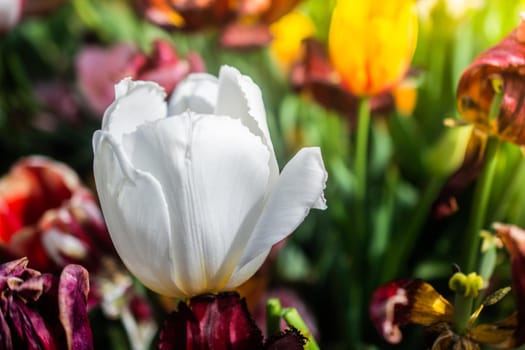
502	67
48	215
371	43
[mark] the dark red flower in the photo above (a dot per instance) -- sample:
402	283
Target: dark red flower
500	67
219	322
41	311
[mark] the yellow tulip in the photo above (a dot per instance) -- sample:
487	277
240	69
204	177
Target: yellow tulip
371	43
289	32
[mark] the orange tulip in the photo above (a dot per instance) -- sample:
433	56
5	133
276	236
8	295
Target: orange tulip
371	43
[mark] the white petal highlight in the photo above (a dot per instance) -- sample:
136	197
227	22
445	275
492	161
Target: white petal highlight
138	223
136	103
214	174
239	97
299	188
198	93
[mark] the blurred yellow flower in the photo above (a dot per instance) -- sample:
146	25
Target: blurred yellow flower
288	33
371	43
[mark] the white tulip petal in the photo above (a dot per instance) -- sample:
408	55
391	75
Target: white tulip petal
136	103
135	211
298	189
214	174
241	275
198	93
239	97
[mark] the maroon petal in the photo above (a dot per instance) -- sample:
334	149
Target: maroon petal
180	331
514	239
6	339
73	290
291	339
30	328
218	322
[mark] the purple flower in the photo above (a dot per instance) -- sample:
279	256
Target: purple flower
41	311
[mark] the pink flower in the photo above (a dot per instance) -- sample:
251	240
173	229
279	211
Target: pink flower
99	68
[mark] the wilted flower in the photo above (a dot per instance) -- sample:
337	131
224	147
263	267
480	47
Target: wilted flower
192	193
40	311
226	317
383	39
413	301
48	215
499	70
99	69
401	302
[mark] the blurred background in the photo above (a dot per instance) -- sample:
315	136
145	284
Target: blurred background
59	61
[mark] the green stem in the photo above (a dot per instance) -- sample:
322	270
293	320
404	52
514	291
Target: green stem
273	316
408	237
360	166
462	312
479	208
293	319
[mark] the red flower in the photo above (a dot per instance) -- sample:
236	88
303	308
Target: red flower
47	215
40	311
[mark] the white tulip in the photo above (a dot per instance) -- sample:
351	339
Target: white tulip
192	194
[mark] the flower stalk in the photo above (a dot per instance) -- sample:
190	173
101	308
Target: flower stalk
467	288
293	319
479	209
273	316
361	156
484	185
